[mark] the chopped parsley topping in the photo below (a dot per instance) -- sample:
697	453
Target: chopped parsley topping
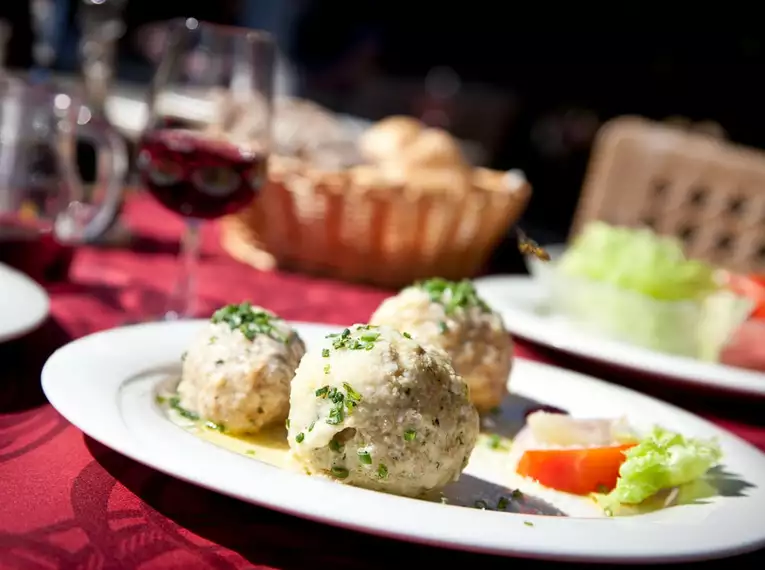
215	427
364	456
364	339
342	404
340	472
453	295
336	416
382	471
352	394
496	442
248	320
410	434
175	403
300	437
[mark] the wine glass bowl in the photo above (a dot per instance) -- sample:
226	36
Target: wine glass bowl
204	150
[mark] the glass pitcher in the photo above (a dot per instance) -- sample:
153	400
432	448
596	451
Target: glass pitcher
40	186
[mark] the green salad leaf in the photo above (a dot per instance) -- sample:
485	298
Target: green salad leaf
662	460
638	260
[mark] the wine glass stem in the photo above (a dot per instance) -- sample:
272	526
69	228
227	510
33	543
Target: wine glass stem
183	298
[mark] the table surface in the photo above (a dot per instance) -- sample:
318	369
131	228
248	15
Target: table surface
68	502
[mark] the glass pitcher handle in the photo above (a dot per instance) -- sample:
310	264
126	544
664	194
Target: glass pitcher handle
112	168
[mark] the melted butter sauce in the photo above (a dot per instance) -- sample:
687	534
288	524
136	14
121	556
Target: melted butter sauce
484	483
269	445
489	479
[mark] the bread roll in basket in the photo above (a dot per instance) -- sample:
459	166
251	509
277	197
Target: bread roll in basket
395	205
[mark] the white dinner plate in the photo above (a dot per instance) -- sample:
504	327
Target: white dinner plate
106	384
23	304
520	300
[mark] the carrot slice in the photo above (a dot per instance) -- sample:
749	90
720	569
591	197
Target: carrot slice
577	471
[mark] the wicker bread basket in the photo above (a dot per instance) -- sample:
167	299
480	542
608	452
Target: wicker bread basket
387	223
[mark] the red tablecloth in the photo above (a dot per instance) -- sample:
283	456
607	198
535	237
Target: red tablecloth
69	502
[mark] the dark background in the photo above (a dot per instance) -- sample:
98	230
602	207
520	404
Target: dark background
557	77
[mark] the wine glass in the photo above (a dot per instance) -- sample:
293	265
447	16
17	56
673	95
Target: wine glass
204	150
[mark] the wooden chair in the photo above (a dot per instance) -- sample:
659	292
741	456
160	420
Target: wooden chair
706	191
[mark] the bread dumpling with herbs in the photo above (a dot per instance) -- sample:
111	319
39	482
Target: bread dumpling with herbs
237	370
451	316
373	408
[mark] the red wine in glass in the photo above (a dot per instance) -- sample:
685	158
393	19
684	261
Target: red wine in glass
199	176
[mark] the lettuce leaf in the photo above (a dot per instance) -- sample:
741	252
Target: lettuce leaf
662	460
638	260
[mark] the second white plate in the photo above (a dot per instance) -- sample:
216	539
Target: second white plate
23	304
520	301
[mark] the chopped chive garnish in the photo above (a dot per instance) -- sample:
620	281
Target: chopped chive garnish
336	416
528	523
161	400
410	434
352	394
364	457
287	423
215	427
340	472
175	403
250	452
347	340
495	442
325	352
326	369
310	427
502	503
406	335
250	321
300	437
453	294
516	494
322	392
382	471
